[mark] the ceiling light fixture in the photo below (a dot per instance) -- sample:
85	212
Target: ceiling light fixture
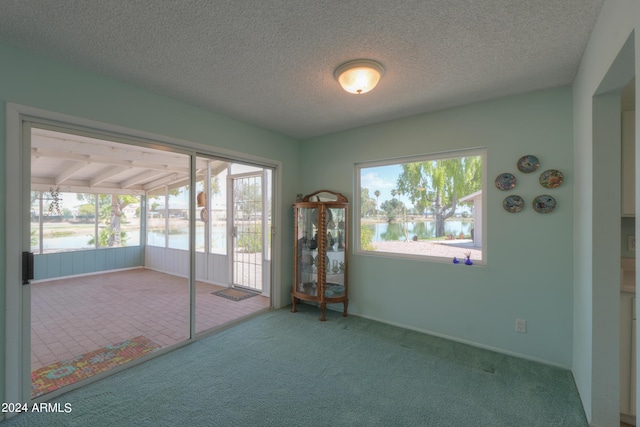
359	76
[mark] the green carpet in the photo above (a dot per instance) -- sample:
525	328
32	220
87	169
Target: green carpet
286	369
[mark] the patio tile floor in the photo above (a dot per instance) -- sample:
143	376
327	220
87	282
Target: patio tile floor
73	316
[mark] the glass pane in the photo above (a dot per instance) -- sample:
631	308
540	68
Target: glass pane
156	220
178	211
211	269
308	261
130	221
36	215
247	255
202	215
118	220
218	209
335	252
268	196
68	221
430	207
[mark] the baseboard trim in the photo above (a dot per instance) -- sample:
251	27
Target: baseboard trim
467	342
628	419
93	273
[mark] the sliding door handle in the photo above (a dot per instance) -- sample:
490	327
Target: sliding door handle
27	267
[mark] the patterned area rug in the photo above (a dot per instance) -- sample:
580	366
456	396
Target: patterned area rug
235	294
57	375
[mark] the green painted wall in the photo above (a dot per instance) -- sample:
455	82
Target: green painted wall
46	84
529	255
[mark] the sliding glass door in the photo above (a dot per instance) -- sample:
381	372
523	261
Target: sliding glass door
127	251
94	306
232	251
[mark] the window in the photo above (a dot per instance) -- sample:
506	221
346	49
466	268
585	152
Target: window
66	221
156	218
118	220
427	206
218	210
178	215
168	211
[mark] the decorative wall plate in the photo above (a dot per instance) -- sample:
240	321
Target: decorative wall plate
551	178
513	204
528	163
544	204
505	181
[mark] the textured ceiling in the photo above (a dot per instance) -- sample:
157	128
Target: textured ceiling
271	62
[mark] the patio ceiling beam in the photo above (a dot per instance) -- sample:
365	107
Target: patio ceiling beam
179	183
69	172
106	175
219	167
43	153
161	167
202	163
160	182
141	178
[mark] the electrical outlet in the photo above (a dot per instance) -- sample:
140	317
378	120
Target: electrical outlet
521	326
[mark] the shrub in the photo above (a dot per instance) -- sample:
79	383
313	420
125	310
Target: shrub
366	239
251	240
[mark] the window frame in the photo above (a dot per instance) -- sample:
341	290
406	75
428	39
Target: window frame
357	208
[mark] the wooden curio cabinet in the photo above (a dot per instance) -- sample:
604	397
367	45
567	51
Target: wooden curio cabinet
320	250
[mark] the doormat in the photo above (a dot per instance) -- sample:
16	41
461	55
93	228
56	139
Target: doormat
235	294
60	374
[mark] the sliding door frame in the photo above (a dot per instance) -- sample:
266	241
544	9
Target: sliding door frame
17	382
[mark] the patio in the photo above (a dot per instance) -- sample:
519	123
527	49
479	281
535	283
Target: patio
73	316
441	248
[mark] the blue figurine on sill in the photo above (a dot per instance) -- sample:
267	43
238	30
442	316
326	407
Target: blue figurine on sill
456	260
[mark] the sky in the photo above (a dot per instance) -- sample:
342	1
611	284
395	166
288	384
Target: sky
382	178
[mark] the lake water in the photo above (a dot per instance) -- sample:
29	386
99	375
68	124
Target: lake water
82	242
384	232
178	239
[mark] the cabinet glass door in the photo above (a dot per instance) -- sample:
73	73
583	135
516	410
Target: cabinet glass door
308	260
335	252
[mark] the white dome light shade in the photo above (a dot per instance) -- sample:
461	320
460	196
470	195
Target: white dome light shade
359	76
